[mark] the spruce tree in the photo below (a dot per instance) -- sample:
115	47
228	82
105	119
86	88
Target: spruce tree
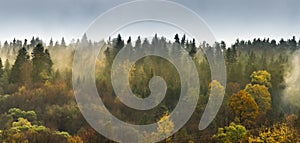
42	64
138	43
22	58
193	48
1	68
51	43
183	40
176	38
63	43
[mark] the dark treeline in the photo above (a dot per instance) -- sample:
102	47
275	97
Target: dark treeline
37	102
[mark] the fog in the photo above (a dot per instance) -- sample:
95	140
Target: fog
291	94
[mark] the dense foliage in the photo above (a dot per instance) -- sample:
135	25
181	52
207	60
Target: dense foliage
37	102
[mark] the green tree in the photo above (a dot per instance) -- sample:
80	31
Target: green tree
23	131
42	64
17	113
63	42
176	38
1	68
5	77
51	44
119	42
231	55
183	41
14	114
251	64
69	116
16	71
231	134
6	66
138	43
193	48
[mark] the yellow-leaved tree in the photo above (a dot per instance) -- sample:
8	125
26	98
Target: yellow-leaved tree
261	77
243	108
278	133
261	96
259	90
165	127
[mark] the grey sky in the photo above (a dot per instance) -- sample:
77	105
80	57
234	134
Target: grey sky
228	19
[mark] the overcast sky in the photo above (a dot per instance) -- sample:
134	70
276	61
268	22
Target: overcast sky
228	19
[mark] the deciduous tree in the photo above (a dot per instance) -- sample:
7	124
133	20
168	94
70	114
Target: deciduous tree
261	77
231	134
243	108
261	96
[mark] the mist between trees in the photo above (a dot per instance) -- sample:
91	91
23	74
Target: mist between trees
261	101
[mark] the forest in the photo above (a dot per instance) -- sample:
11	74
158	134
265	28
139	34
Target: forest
261	102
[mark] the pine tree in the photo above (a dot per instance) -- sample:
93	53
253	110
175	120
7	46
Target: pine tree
32	42
6	66
25	43
22	58
119	43
63	43
193	48
42	64
183	40
1	69
138	43
223	45
84	38
231	55
155	42
51	43
129	40
177	39
56	44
